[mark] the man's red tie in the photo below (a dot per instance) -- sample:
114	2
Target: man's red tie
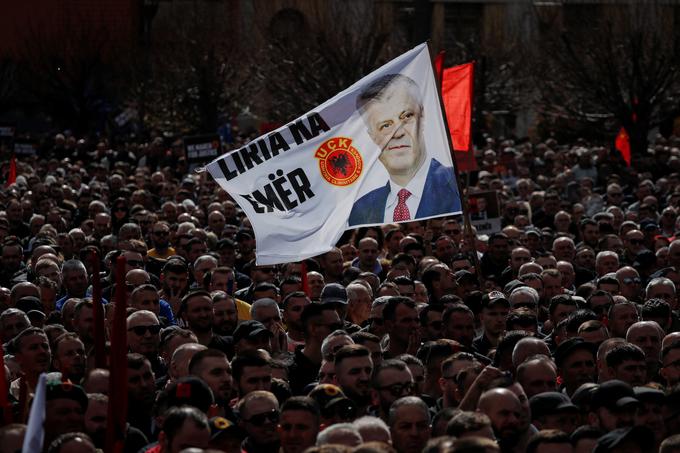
401	212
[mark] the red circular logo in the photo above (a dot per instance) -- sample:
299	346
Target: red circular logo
339	162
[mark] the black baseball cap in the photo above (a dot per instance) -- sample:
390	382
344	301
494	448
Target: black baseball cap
250	330
333	293
28	303
613	395
568	347
649	394
547	403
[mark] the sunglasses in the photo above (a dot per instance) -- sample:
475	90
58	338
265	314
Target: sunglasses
397	390
261	419
135	263
153	329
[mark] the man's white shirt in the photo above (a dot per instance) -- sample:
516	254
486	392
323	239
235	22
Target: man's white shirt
415	186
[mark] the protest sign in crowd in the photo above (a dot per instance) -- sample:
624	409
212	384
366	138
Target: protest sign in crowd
135	316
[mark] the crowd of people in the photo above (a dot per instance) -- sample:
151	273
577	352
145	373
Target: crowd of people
558	333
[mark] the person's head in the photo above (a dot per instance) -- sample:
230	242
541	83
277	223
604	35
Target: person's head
550	441
391	381
401	318
353	370
196	310
293	304
96	417
647	335
470	424
391	108
213	367
575	359
298	424
621	317
12	437
626	362
75	278
143	333
319	321
410	424
613	406
32	351
266	311
12	322
69	356
141	381
670	363
184	427
662	288
175	278
495	308
459	324
505	411
332	344
72	442
339	434
252	371
537	375
670	444
181	357
225	313
606	262
65	406
259	416
145	297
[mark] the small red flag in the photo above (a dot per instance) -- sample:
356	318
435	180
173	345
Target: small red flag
12	175
622	144
457	88
118	385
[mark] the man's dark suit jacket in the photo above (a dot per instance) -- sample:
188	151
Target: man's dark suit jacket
440	195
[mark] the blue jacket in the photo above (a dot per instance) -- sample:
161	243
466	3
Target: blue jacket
440	196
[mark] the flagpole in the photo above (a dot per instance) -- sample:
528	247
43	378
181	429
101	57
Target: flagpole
461	192
99	333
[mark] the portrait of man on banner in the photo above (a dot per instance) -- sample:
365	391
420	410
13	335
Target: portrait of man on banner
419	186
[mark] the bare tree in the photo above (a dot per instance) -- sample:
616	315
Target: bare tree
310	58
609	65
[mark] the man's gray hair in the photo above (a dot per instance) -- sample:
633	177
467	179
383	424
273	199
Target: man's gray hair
407	401
326	436
526	290
325	345
262	303
380	301
203	258
659	281
368	423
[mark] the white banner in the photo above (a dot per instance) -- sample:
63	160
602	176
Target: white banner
375	153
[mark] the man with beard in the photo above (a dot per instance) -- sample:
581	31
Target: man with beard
160	233
299	424
65	406
252	371
143	337
410	424
225	313
83	322
69	357
401	323
141	393
12	322
32	352
95	424
293	304
175	282
332	265
392	380
505	412
613	405
495	308
259	412
196	310
621	316
213	367
353	370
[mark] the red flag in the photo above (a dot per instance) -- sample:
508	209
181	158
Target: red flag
99	333
118	398
457	89
12	176
622	144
